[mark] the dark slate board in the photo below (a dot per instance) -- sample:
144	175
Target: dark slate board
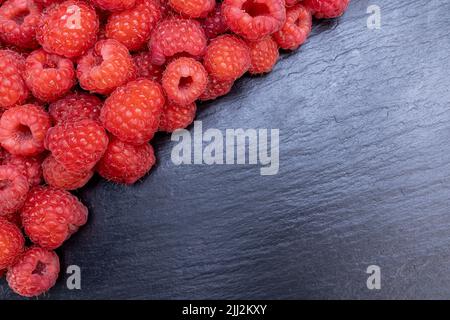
364	179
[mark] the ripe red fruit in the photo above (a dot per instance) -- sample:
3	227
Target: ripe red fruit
11	243
23	130
13	89
105	67
48	76
13	189
57	176
254	19
214	24
193	8
227	58
114	5
216	88
50	216
264	55
75	106
68	29
296	29
133	27
34	273
177	117
18	23
126	163
132	112
30	167
145	69
326	9
174	36
77	145
184	80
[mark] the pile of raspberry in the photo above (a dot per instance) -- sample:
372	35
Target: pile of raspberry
85	85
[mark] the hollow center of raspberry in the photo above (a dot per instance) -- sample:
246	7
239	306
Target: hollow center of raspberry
20	16
39	269
49	64
255	9
23	132
185	82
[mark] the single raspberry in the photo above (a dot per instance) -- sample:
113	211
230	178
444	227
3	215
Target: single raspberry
48	76
264	55
296	29
77	145
177	117
176	35
132	112
13	89
12	243
184	80
193	8
34	273
227	58
126	163
216	88
326	9
57	176
18	22
105	67
13	189
133	27
214	24
75	106
145	69
23	130
254	19
30	167
114	5
68	29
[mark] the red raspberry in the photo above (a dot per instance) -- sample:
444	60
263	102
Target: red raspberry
11	243
264	55
30	167
227	58
216	88
126	163
114	5
254	19
145	69
326	9
23	130
176	35
18	23
13	189
214	24
75	106
68	29
48	76
105	67
34	273
193	8
77	145
133	27
296	29
177	117
184	80
132	112
57	176
13	89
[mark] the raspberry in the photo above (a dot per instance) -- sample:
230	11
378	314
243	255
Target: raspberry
227	58
126	163
48	76
77	145
216	88
18	23
132	112
214	24
13	189
11	243
23	130
193	8
30	167
105	67
176	35
133	27
184	80
68	29
75	106
13	89
296	29
264	54
177	117
326	9
57	176
34	273
114	5
145	69
50	216
254	19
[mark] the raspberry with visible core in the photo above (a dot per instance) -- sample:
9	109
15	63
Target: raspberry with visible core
296	29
